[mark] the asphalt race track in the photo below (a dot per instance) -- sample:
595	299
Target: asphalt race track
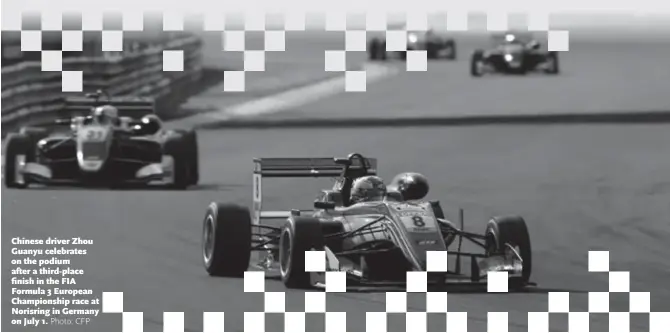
580	188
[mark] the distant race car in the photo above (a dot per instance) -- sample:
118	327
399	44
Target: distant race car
436	46
108	142
374	242
513	53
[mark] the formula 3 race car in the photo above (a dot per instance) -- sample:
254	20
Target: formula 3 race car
435	45
91	150
513	53
376	243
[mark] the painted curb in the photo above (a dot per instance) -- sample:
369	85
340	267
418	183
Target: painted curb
646	117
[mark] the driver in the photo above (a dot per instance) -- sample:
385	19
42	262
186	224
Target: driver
368	188
106	114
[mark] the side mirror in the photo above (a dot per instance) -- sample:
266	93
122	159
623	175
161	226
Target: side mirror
324	205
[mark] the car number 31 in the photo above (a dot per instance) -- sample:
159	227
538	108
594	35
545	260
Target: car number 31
94	135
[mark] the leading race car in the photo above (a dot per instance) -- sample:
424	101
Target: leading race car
435	45
513	53
373	232
121	141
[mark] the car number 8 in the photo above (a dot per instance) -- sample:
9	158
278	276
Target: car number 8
418	221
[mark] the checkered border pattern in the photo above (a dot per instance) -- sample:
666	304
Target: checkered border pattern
275	40
396	302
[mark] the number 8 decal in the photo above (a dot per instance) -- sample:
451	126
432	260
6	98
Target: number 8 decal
418	221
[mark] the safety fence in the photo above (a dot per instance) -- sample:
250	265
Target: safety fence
30	94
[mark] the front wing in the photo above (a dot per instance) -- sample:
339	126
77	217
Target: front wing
154	173
479	269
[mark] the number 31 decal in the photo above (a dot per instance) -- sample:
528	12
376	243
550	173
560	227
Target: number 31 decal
94	135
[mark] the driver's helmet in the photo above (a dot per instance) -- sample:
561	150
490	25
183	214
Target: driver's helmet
411	185
511	38
533	44
368	188
106	114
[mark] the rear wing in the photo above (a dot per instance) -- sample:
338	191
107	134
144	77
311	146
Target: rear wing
133	107
320	167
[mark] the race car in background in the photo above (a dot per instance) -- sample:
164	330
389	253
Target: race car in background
375	242
435	45
513	53
105	141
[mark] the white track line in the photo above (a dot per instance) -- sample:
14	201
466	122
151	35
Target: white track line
285	100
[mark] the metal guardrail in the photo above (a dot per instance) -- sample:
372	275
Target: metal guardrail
30	94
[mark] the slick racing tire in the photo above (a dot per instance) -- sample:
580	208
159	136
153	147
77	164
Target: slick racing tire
17	145
226	240
177	148
432	50
477	58
511	230
452	52
191	146
373	49
552	60
298	235
377	49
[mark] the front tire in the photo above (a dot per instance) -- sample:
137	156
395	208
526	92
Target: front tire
377	50
226	240
475	61
452	53
554	67
298	235
511	230
432	50
177	149
17	145
191	146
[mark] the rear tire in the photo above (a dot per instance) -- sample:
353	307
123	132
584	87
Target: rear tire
17	144
511	230
226	240
298	235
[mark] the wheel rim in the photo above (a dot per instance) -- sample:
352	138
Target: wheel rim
208	237
285	252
